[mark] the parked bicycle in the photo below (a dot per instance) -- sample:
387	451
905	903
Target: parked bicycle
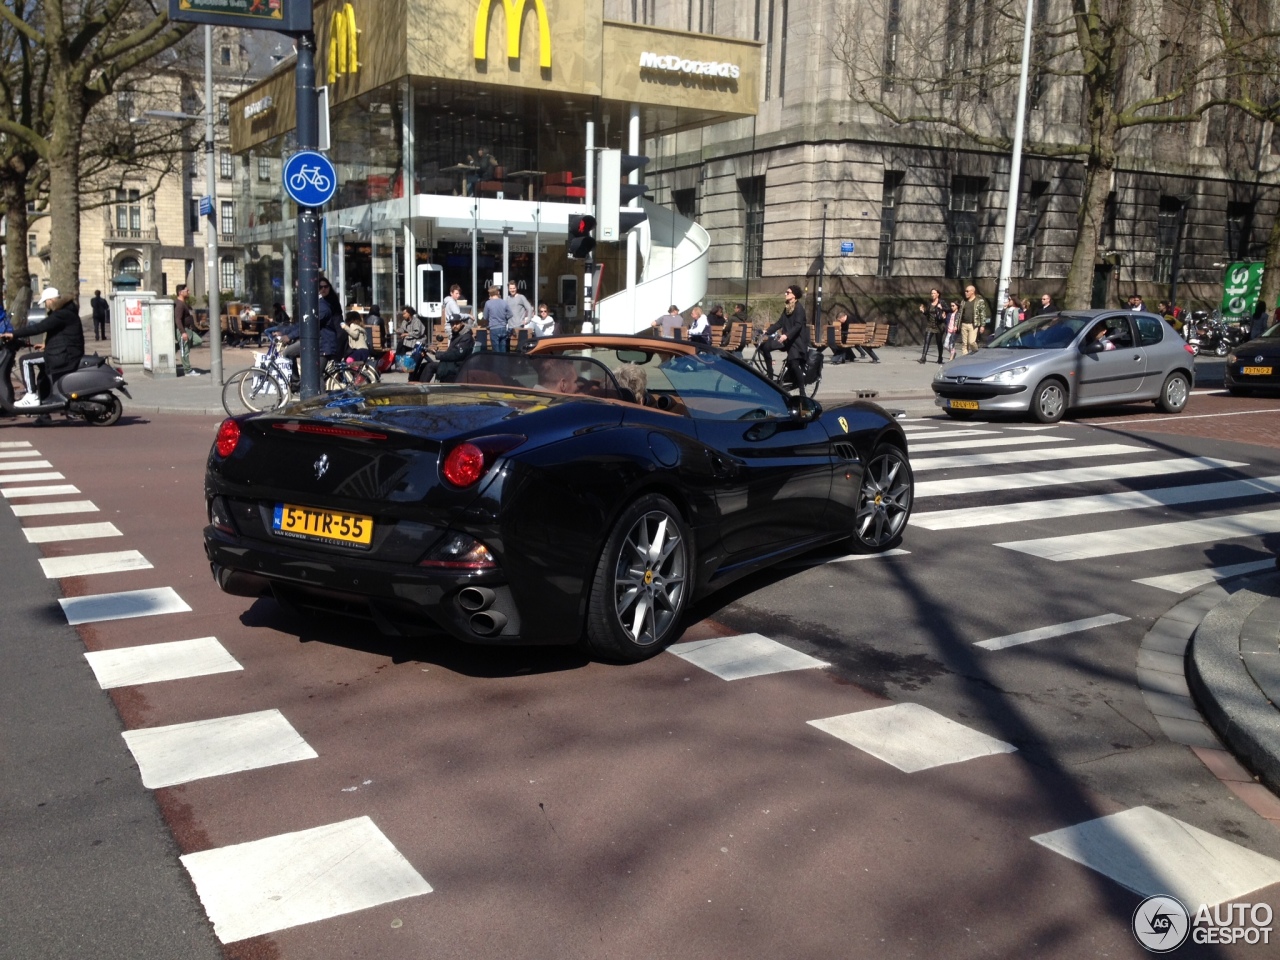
812	377
270	383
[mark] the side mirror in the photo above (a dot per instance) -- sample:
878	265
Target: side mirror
803	408
1092	348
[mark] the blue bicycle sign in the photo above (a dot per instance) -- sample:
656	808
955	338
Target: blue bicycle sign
310	179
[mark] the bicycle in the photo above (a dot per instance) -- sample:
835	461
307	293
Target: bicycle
269	384
812	376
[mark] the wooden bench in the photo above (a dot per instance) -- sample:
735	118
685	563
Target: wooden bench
877	335
736	335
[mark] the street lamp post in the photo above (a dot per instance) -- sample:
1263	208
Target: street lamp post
1015	174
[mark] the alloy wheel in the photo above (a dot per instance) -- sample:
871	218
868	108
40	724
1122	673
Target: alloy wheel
884	500
649	580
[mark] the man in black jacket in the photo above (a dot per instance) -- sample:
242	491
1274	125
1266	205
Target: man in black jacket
790	333
446	366
63	342
101	315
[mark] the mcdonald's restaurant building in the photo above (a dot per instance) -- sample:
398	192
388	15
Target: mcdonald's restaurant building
418	88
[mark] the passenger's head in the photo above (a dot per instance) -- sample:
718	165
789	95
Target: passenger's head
634	379
558	374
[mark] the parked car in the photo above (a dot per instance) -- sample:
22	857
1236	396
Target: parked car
538	500
1062	361
1254	364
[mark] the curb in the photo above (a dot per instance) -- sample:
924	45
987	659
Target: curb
1231	699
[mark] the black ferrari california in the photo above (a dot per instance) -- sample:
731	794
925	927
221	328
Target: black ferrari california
587	491
1254	364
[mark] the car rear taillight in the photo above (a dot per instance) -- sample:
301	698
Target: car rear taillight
1189	348
228	438
459	552
467	462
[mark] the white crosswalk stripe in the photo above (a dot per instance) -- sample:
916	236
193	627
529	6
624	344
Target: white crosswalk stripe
972	443
1004	457
1075	475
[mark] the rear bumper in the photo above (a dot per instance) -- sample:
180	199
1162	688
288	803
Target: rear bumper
474	607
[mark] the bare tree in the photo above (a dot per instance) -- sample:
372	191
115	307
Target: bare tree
85	47
1108	75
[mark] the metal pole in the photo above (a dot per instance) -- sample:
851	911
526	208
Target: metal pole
537	243
1015	175
633	148
822	266
213	276
309	219
589	272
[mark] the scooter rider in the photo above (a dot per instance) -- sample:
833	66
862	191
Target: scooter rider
63	342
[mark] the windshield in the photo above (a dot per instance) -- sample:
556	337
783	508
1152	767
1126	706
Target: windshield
1055	331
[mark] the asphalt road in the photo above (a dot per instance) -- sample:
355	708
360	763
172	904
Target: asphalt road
563	808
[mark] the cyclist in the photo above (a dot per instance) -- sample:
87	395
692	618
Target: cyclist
789	333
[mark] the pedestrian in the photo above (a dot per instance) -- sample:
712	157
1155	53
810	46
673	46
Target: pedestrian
498	319
184	321
452	306
935	324
1025	312
1046	305
409	331
357	338
718	322
699	327
1009	315
518	306
1136	304
669	322
953	327
840	328
1258	322
101	315
974	316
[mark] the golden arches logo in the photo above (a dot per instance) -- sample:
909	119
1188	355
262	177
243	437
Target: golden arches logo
344	47
514	13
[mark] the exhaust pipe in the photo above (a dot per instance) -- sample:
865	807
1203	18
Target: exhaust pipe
488	623
239	584
475	599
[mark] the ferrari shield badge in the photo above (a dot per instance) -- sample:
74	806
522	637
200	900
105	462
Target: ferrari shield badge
844	424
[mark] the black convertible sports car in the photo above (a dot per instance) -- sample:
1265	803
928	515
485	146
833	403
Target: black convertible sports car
588	491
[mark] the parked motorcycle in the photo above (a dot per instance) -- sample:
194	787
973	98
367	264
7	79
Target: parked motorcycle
85	393
1209	334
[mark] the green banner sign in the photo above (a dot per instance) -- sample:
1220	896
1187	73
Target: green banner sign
1241	285
282	15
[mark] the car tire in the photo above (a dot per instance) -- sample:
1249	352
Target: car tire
886	493
959	414
642	583
1174	393
1049	402
1239	391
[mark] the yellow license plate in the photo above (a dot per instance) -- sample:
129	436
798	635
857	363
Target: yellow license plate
964	404
1256	371
293	521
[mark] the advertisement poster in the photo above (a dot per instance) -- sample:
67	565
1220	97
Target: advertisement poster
1240	288
133	314
147	362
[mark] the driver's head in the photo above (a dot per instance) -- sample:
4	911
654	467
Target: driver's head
559	375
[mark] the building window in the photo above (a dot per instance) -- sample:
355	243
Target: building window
889	198
227	274
892	29
32	245
264	168
224	112
226	56
226	167
686	202
768	54
962	225
1239	235
752	190
131	266
227	219
782	62
1168	237
128	214
124	105
193	213
1035	217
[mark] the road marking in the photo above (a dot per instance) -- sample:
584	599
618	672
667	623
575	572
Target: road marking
948	434
1180	416
13	444
1002	457
122	606
24	465
31	478
1110	543
279	882
1045	633
89	564
167	756
972	444
70	531
18	454
911	737
895	552
1043	426
748	655
51	509
1182	582
1150	852
1050	478
1097	503
157	662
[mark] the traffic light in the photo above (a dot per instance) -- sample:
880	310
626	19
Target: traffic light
581	242
616	219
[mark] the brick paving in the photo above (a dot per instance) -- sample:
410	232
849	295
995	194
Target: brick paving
1217	415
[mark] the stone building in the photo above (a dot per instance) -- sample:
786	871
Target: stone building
914	206
147	225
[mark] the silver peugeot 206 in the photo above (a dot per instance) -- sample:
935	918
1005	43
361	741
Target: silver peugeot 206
1079	358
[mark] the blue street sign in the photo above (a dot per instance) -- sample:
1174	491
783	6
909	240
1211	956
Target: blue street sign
206	206
310	179
846	247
